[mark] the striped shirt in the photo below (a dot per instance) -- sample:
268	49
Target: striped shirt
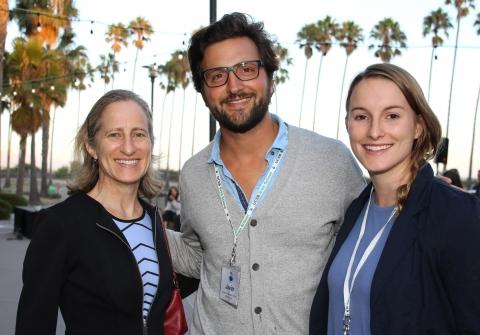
139	235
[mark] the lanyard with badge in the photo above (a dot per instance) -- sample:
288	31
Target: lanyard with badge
348	287
230	279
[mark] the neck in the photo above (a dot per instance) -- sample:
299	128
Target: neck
254	142
119	200
386	186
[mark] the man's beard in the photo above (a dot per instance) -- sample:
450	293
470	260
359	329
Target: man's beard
258	112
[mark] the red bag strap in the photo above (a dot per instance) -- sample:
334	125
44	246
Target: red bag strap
174	275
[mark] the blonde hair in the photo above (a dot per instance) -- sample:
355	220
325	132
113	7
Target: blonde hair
87	176
426	145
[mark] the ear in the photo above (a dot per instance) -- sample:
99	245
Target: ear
419	126
273	87
91	150
204	97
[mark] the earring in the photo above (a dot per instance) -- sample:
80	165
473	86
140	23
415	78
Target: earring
95	161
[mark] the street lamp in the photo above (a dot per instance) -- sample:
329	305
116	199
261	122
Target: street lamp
152	73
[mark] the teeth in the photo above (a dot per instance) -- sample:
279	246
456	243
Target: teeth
127	161
377	147
240	100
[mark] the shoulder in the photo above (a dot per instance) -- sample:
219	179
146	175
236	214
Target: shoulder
314	144
446	198
76	206
198	160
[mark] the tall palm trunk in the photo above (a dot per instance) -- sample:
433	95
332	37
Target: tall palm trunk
45	138
21	163
51	144
33	196
0	151
341	95
430	74
453	75
170	141
3	35
8	181
135	69
303	93
473	139
316	91
78	108
162	116
181	134
194	121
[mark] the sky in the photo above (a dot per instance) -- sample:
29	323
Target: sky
173	22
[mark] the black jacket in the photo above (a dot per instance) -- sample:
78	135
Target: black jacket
79	261
427	280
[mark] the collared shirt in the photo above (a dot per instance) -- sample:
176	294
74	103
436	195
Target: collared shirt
279	144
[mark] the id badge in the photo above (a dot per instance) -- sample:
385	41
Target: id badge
230	284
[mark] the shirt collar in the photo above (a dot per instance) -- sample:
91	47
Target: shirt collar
280	142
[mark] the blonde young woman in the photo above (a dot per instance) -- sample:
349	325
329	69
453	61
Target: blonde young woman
406	259
100	255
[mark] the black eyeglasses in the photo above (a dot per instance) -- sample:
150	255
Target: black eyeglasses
244	71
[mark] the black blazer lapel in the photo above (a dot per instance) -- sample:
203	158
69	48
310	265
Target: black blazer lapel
403	234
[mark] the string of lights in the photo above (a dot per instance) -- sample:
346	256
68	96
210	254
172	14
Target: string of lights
74	19
106	24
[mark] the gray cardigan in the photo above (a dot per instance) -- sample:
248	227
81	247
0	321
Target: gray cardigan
289	240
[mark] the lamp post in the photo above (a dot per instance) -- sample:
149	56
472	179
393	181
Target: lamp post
152	73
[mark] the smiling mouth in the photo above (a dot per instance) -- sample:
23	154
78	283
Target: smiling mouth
129	162
237	99
377	147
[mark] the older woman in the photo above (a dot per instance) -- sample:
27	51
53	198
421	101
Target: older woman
100	255
406	257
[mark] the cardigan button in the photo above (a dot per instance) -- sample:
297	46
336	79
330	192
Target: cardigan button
255	266
258	310
253	223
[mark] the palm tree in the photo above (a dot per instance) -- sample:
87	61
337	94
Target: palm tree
107	68
168	69
463	8
46	25
9	146
437	21
306	41
178	68
281	76
477	24
53	65
24	121
118	35
4	105
3	36
326	31
473	138
391	37
142	30
27	63
57	37
349	35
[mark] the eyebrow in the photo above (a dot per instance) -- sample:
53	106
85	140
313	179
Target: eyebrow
385	109
122	129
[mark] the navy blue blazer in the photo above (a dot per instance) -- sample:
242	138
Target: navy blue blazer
428	277
80	261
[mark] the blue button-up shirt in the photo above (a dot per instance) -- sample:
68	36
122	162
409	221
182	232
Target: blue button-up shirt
229	182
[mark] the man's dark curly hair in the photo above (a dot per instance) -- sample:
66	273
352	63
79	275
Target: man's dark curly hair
231	26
